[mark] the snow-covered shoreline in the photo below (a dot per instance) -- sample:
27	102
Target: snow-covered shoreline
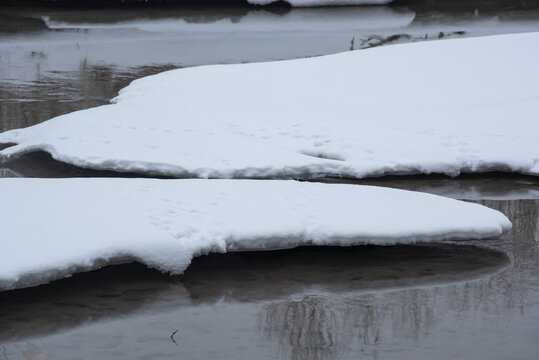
452	106
309	3
52	228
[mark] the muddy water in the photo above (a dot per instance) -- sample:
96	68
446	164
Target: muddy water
471	300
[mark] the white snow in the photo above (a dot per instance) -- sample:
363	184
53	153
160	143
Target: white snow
306	3
452	106
339	19
51	228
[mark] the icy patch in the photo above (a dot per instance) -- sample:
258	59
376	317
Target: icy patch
54	228
452	106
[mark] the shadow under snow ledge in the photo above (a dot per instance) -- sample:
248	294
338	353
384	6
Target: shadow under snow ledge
248	277
52	228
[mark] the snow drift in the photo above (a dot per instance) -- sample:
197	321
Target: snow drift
307	3
452	106
53	228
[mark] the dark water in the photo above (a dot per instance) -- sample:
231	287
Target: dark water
470	300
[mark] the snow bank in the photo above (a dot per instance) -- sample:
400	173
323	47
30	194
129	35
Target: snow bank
53	228
306	3
452	106
367	20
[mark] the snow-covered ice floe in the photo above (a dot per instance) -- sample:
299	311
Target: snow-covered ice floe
451	106
52	228
307	3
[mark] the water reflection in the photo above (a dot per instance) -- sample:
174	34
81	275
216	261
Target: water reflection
309	328
41	164
113	291
434	322
493	186
240	277
53	93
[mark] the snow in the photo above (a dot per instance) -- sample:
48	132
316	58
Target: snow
52	228
338	19
306	3
451	106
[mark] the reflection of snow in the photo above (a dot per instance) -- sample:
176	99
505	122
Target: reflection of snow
317	20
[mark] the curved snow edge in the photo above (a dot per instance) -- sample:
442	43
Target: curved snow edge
316	170
45	276
84	224
313	3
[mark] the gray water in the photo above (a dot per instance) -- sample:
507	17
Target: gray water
469	300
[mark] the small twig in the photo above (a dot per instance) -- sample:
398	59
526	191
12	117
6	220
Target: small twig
172	336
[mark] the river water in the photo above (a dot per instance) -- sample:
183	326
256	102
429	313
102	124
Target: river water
469	300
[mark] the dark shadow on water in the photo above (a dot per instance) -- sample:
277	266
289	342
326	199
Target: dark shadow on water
54	93
492	185
423	6
268	275
40	164
249	277
111	291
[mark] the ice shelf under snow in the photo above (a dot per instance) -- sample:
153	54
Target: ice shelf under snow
449	106
52	228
